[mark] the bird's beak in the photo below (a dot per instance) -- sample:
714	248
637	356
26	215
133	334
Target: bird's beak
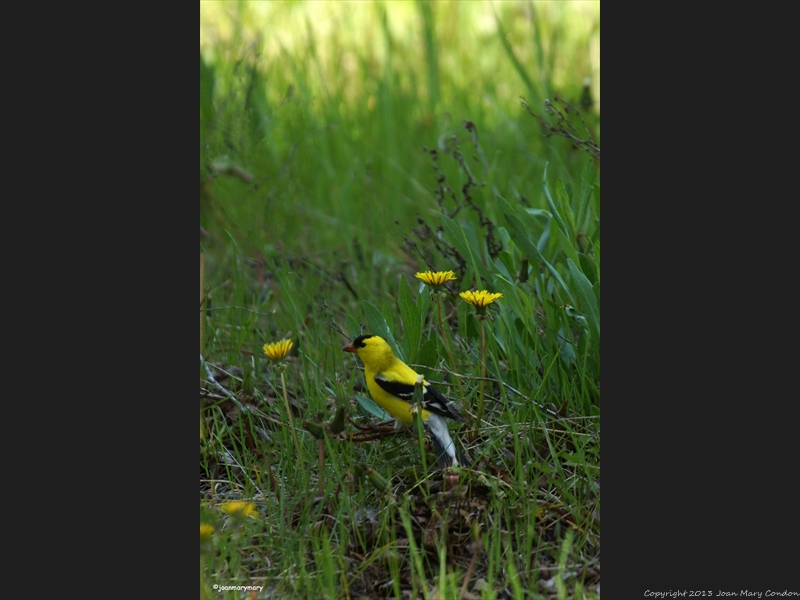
349	348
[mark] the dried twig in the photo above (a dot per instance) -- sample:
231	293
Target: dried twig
563	126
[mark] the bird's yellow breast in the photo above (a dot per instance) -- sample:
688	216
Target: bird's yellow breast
399	409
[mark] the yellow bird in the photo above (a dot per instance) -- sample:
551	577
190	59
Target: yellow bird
391	385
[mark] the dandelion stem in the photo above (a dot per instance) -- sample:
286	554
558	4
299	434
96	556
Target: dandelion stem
483	376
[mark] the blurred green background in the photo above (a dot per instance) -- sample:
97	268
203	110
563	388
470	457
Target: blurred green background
314	115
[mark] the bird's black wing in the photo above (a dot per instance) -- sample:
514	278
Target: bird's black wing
403	390
432	399
435	402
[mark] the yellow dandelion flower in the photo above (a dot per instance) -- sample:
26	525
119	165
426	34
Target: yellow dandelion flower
278	350
239	508
438	278
205	532
480	299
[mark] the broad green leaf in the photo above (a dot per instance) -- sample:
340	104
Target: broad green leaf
567	247
411	321
429	355
586	224
542	243
368	404
526	243
469	278
567	348
552	204
472	237
423	304
589	268
377	325
539	212
469	327
353	327
553	247
564	204
596	290
513	310
577	316
389	314
455	235
587	180
476	246
597	256
538	224
505	239
511	298
586	297
504	264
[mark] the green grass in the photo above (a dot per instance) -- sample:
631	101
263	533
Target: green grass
316	138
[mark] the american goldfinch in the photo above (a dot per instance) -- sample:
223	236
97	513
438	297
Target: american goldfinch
391	385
